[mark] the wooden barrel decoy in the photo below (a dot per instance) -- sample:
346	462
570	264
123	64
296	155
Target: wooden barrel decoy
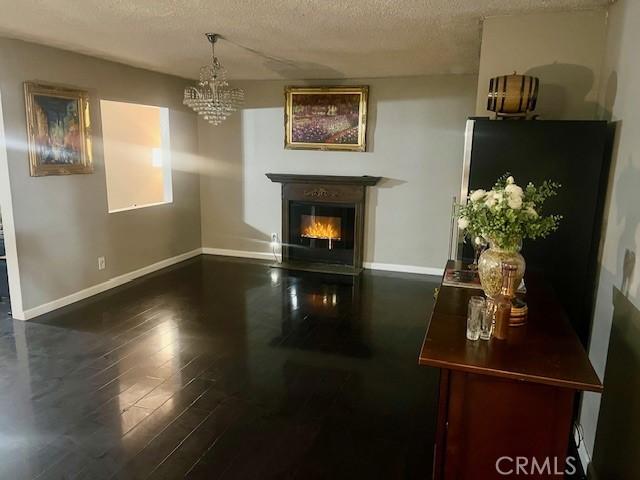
513	94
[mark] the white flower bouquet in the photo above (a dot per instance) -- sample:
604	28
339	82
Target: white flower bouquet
507	214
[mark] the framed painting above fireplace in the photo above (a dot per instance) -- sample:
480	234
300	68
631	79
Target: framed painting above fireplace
326	118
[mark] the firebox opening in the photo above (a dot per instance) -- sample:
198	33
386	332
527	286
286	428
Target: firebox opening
322	233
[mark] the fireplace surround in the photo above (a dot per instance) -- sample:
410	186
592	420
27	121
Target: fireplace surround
323	221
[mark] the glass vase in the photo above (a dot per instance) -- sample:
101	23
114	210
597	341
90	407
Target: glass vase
490	266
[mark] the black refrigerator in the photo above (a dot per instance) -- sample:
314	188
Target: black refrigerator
573	153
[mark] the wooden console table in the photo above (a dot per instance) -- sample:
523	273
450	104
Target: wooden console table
504	398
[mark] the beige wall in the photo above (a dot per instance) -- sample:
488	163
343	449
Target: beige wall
618	292
415	140
563	49
61	222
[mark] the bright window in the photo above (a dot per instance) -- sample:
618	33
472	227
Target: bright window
137	155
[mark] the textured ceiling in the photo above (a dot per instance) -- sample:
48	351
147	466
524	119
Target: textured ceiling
272	38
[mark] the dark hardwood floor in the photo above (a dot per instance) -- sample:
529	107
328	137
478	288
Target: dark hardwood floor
221	368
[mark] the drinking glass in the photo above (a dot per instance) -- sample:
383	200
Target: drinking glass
486	323
474	317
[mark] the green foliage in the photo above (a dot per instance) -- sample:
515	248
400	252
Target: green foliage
507	214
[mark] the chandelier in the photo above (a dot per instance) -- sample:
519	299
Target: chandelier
212	97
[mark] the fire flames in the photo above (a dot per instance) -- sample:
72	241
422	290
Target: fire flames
321	230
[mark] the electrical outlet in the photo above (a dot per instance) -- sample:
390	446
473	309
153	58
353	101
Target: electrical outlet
101	263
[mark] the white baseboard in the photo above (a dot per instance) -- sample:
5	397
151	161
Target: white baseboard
392	267
127	277
583	454
225	252
585	458
389	267
102	287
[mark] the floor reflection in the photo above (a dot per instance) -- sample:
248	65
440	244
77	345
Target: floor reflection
223	369
322	313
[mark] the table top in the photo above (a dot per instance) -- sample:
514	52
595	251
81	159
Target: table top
546	350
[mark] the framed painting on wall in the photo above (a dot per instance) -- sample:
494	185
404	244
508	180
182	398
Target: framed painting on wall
326	118
58	129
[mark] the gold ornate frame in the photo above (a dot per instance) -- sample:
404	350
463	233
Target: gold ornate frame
38	169
361	90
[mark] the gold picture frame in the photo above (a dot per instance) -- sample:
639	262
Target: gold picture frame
58	130
326	118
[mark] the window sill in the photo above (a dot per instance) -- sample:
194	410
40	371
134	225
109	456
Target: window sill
138	207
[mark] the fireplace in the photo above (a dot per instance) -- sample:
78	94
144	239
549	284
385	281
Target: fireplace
323	221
